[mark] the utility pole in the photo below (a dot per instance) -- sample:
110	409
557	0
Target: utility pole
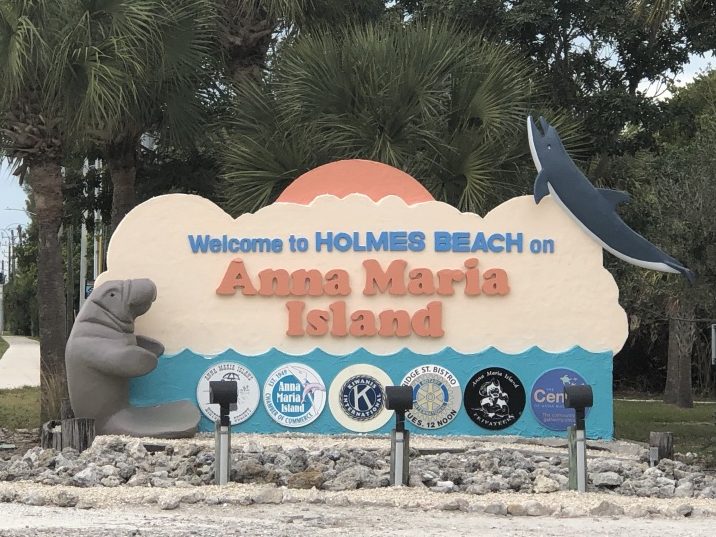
70	287
83	261
2	296
10	270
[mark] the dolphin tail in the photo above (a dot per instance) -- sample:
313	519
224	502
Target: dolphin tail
687	273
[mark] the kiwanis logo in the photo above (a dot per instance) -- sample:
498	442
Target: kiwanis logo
294	395
357	398
362	397
436	396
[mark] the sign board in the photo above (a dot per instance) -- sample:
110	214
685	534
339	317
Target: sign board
89	287
356	278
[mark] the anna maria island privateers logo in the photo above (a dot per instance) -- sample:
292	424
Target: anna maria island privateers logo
294	395
247	391
357	398
436	396
494	398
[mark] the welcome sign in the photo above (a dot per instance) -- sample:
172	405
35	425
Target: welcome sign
355	279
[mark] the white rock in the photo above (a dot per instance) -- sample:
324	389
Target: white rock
545	484
168	503
606	479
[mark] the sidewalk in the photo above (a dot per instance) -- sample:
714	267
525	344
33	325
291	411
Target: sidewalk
20	365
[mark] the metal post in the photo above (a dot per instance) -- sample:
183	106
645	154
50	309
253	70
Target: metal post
399	457
222	446
2	308
70	284
581	461
83	261
713	345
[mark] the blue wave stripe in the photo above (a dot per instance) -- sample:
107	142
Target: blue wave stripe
176	377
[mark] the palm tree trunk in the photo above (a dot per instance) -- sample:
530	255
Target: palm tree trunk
682	334
45	179
123	170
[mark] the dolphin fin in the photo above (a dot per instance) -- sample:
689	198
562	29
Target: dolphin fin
540	188
614	197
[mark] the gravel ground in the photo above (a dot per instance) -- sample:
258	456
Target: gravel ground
297	519
310	442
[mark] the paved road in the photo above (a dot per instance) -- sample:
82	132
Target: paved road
20	365
319	520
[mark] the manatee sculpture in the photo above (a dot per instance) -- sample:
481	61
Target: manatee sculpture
103	353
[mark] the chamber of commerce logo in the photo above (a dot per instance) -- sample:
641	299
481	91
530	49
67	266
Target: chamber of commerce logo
247	388
547	398
494	398
294	395
436	396
357	398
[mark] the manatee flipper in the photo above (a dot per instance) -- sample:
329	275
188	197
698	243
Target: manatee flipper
128	361
540	189
614	197
179	419
150	344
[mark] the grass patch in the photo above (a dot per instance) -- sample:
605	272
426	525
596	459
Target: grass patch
3	346
694	429
20	408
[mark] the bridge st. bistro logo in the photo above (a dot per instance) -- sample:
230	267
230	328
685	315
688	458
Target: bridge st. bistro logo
436	396
494	398
294	395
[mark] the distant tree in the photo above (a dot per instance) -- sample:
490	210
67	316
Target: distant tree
674	193
593	56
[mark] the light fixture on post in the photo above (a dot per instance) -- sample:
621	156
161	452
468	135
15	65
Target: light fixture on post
579	398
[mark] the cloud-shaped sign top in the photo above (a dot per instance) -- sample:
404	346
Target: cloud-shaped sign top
350	270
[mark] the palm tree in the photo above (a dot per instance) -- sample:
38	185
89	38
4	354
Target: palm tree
447	107
64	65
175	44
247	30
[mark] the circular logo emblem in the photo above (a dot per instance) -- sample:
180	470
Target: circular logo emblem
357	398
436	396
494	398
547	398
294	395
247	388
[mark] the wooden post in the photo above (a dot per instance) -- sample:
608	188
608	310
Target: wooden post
78	433
66	412
51	435
664	442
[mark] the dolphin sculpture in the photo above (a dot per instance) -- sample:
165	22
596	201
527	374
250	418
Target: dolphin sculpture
594	209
